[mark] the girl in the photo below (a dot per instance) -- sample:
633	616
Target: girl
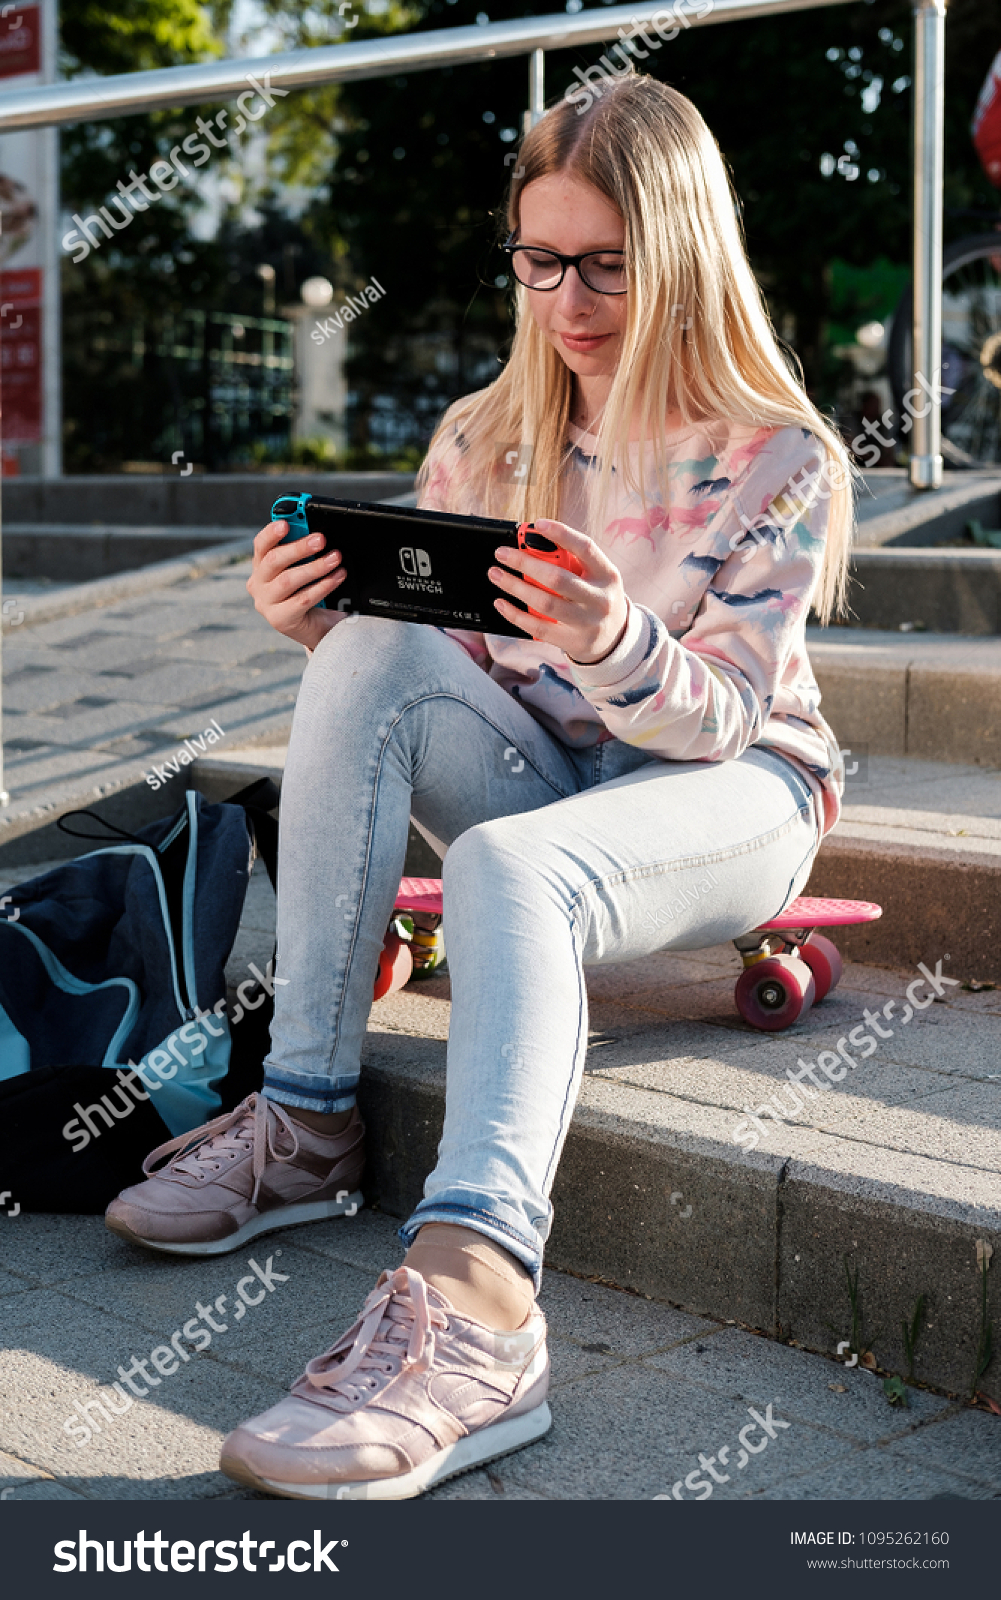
657	729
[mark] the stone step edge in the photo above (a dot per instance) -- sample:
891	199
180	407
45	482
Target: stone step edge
28	831
95	593
935	901
752	1256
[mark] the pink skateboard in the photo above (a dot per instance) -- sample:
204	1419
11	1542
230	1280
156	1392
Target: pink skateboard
788	966
414	946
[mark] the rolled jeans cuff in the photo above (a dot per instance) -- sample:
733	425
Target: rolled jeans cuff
309	1093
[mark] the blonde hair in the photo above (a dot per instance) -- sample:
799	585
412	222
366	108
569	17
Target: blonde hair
646	148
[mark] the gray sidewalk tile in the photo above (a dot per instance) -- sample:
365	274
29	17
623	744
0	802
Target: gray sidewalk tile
879	1474
19	1480
757	1370
634	1434
967	1444
608	1321
164	1446
490	1484
273	1339
51	1249
369	1241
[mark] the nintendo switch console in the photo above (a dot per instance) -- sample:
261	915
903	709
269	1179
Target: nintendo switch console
417	566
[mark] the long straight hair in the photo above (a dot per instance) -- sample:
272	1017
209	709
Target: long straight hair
697	338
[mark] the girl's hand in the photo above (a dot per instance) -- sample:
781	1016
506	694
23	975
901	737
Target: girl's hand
585	617
287	595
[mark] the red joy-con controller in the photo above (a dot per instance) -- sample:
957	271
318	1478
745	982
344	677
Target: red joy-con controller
546	550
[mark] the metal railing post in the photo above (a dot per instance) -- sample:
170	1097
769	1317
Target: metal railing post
929	172
536	86
4	796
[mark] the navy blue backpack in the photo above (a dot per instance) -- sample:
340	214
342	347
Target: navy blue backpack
114	1023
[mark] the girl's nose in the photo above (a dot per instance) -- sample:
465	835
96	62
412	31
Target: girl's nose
573	296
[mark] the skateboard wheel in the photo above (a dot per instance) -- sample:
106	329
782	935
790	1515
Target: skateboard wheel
395	966
772	994
824	960
428	951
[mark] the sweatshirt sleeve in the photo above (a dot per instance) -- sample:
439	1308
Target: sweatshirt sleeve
707	696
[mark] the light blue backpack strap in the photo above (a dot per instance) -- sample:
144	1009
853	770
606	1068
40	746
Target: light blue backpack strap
62	979
15	1052
180	1073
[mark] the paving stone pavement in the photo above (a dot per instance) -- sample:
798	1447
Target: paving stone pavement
640	1390
88	696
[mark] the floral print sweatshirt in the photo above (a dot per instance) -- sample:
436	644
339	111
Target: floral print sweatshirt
719	568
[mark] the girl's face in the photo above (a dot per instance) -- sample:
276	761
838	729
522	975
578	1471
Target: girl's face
561	213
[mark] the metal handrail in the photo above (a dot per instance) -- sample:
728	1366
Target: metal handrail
94	99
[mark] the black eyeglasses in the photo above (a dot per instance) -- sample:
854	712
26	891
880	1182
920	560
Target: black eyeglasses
604	271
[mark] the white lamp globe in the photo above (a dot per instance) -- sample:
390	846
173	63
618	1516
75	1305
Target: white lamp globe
317	292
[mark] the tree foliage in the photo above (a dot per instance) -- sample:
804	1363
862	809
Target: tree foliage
405	177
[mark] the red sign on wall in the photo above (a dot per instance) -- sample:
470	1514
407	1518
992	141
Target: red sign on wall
20	355
20	40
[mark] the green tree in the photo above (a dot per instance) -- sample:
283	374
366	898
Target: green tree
415	193
405	180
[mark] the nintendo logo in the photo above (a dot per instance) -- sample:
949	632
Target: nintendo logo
415	563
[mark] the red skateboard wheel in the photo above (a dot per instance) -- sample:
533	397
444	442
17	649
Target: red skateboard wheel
395	966
774	993
824	960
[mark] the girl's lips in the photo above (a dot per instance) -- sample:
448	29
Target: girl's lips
584	342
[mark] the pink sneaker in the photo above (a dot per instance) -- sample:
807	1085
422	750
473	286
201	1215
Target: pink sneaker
411	1395
248	1172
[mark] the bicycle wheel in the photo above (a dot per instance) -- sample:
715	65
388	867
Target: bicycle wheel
971	351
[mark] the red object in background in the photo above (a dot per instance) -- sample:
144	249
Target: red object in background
986	127
20	357
20	41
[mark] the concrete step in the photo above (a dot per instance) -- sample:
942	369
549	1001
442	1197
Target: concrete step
75	552
891	512
933	591
923	839
934	697
897	1167
238	499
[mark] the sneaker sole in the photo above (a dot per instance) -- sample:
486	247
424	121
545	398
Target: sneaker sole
486	1444
268	1222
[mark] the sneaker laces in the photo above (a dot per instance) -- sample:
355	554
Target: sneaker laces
196	1154
397	1325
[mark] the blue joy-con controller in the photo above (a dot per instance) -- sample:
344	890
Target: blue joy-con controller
291	508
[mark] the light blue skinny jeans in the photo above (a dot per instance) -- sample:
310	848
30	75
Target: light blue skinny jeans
557	859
